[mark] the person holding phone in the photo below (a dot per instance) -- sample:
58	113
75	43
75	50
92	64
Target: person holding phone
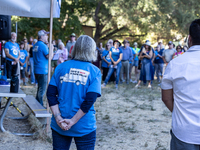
146	73
116	57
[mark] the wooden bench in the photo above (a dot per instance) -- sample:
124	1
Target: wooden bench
37	109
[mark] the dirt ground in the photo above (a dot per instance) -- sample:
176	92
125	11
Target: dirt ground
127	119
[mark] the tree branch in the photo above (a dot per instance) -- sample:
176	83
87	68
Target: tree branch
113	32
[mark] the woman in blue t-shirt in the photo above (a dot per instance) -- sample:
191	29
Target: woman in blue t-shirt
116	57
23	60
71	93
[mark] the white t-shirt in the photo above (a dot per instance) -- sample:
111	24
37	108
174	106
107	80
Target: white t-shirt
183	76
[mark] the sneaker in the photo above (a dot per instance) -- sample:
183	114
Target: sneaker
32	83
134	81
136	86
24	84
131	80
149	86
103	85
116	86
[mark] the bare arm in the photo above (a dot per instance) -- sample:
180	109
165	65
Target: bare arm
120	58
74	119
8	55
168	99
106	60
150	55
57	115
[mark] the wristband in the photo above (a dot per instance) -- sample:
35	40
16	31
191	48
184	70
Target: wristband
56	115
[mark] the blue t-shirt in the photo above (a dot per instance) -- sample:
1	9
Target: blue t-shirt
133	51
107	57
23	55
115	53
40	50
73	80
158	59
13	50
156	54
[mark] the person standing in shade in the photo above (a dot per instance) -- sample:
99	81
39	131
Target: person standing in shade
40	58
23	61
71	93
12	52
106	61
131	62
180	94
32	63
116	57
158	62
127	57
168	54
71	43
136	62
146	73
178	52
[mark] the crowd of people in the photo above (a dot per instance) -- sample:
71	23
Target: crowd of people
116	61
76	83
30	59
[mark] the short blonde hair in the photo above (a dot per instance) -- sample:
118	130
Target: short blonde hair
84	49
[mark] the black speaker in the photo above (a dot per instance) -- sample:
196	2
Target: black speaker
5	27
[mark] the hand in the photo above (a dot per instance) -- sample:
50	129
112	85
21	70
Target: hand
115	63
16	60
69	123
109	64
62	125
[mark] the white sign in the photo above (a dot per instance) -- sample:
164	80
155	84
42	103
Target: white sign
30	8
77	76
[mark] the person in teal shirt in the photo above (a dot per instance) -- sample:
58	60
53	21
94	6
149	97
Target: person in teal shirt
136	61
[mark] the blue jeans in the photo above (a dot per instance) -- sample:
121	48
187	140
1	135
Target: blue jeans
32	70
61	142
110	72
42	85
177	144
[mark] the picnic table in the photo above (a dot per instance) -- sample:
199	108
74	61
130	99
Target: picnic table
5	92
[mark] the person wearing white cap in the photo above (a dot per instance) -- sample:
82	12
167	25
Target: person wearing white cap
146	56
136	61
71	43
40	58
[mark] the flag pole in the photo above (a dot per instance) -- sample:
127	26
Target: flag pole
50	55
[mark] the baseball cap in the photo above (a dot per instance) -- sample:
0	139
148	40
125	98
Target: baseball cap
73	35
125	41
42	32
170	43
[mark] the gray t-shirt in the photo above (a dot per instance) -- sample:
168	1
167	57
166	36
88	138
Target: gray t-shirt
69	45
168	54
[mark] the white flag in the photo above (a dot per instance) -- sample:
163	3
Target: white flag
30	8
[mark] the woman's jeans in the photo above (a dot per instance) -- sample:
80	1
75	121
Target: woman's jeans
32	70
110	72
61	142
42	85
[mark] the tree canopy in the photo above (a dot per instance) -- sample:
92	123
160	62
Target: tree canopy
135	20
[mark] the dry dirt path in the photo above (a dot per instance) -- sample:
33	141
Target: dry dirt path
127	118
